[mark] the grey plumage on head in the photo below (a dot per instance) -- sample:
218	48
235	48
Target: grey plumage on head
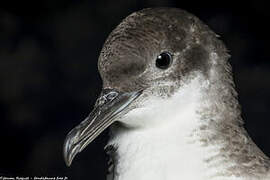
127	65
143	35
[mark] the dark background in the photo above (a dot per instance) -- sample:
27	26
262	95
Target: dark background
49	79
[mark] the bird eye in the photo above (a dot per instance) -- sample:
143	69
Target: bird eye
164	60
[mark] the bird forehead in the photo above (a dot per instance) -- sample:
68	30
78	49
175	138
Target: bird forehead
132	47
141	37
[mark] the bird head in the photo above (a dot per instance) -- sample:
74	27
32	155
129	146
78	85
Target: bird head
151	53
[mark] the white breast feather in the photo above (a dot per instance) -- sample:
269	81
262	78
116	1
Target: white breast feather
163	143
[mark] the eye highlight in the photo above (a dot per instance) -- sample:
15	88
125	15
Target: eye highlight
164	60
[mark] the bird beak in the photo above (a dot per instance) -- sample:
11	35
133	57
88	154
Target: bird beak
109	106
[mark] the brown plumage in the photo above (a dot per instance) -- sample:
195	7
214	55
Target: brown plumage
127	64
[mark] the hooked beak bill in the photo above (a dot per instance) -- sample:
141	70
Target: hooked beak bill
109	106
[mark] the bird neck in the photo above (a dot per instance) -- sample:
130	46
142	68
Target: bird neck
157	154
191	141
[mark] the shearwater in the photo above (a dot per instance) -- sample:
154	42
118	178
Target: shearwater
169	98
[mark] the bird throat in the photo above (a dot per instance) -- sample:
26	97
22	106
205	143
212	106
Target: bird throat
165	154
178	138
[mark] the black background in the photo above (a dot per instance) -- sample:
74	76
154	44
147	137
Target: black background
49	79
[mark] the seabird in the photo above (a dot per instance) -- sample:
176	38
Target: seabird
170	102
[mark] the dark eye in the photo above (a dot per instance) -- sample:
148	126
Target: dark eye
164	60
